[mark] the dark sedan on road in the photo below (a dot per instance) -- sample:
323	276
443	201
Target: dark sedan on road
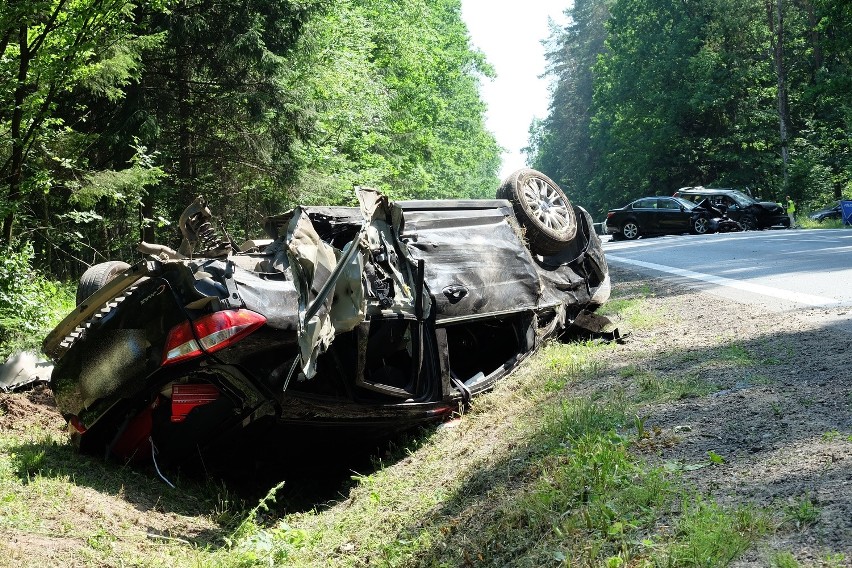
827	213
656	216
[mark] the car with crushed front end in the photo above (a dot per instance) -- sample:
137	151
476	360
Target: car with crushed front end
656	216
366	320
750	213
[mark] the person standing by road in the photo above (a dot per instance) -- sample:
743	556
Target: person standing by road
791	211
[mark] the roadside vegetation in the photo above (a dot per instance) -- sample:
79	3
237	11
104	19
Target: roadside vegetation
116	114
805	223
735	93
31	302
558	466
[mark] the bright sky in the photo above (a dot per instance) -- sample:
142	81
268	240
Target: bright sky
510	32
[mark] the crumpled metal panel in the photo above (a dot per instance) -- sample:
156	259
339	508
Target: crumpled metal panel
312	262
574	277
277	300
494	273
22	369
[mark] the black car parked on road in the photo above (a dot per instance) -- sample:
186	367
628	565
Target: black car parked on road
657	216
740	207
827	213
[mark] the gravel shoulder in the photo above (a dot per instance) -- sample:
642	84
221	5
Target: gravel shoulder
767	392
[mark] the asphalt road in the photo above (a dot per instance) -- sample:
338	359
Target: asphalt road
780	269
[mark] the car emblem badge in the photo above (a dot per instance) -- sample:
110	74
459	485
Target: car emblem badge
454	293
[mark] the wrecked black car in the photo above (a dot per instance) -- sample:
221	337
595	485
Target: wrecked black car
829	213
368	319
750	213
717	218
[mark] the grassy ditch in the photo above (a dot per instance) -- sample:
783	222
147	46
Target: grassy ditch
547	470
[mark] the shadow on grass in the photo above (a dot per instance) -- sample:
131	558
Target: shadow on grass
316	470
485	517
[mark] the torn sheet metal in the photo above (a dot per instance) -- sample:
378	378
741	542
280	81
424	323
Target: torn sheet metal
313	262
24	369
475	263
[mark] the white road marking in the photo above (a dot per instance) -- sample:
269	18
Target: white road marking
806	299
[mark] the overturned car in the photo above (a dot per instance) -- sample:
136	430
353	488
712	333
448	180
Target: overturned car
367	319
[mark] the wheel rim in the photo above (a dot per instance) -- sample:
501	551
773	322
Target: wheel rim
701	225
630	230
547	205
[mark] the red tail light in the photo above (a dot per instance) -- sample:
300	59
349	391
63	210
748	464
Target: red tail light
215	331
610	214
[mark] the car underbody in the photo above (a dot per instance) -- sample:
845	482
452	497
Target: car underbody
365	320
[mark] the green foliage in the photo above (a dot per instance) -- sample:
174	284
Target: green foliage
252	545
394	88
29	302
47	50
651	96
802	513
128	110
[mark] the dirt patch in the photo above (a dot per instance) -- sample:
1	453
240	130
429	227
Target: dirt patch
22	549
762	412
36	407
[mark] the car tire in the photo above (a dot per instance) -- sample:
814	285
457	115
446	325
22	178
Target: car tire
748	223
542	208
97	276
630	230
701	225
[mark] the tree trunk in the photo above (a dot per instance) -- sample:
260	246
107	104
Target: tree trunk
776	26
184	111
16	160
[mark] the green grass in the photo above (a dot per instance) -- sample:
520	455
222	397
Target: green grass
802	513
711	535
805	223
560	486
633	312
653	386
784	560
539	473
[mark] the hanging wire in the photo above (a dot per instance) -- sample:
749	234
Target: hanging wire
156	467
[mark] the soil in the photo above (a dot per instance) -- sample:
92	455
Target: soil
779	411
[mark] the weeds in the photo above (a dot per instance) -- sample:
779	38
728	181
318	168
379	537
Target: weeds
565	366
30	303
784	560
803	513
736	354
711	535
653	387
633	311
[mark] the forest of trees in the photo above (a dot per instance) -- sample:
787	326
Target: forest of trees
653	95
114	114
